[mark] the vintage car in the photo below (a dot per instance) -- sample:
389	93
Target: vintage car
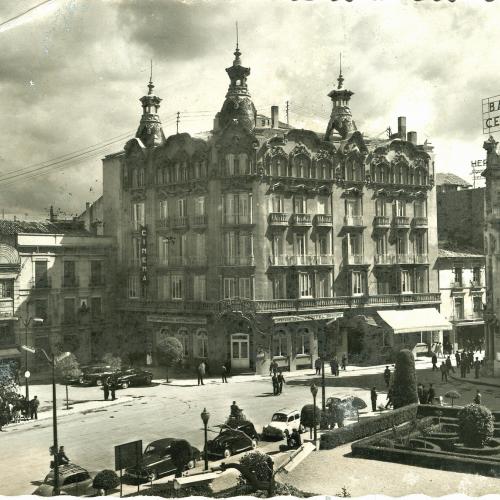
132	377
242	437
157	461
281	421
95	374
73	480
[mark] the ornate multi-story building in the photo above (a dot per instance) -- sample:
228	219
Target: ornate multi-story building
259	241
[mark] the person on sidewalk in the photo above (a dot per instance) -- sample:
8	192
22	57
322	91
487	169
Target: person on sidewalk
274	380
449	366
373	397
224	374
477	367
387	376
34	404
444	372
317	366
344	361
105	389
463	368
434	360
336	366
432	395
281	381
273	367
112	388
477	398
420	393
201	373
457	358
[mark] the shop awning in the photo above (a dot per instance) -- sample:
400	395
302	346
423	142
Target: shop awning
9	353
307	317
415	320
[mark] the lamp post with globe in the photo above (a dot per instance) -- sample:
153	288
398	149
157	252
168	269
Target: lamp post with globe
205	415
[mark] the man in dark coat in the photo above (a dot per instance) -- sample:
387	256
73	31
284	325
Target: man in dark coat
463	368
112	388
477	367
420	393
373	397
432	395
387	376
344	361
201	373
457	358
317	366
224	374
434	360
281	381
275	384
105	389
444	372
449	366
34	404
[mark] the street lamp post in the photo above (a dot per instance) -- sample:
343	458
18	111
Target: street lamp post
205	416
52	361
26	323
314	392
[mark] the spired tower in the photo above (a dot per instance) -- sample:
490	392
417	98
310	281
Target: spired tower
150	131
341	118
238	106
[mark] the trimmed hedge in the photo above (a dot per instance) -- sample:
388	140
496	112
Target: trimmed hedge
368	427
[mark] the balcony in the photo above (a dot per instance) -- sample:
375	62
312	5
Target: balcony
404	259
401	222
41	283
199	221
278	219
353	221
421	258
278	260
302	220
419	222
323	220
179	222
457	285
173	260
475	316
237	260
355	260
310	260
384	260
237	220
163	223
197	261
381	222
70	282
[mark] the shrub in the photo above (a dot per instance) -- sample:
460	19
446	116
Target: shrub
106	480
307	416
404	387
372	425
260	463
115	362
172	351
475	425
182	454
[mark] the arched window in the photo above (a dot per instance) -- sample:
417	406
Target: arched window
202	343
134	177
418	177
411	176
303	341
357	171
379	173
404	174
312	170
140	179
276	164
182	171
280	343
349	172
183	336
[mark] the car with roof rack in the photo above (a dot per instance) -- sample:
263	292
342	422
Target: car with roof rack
73	480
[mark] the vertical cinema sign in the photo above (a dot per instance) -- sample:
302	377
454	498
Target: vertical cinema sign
144	256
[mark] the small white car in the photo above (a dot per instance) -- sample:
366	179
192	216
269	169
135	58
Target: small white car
281	421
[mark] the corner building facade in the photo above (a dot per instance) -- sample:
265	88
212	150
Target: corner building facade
257	241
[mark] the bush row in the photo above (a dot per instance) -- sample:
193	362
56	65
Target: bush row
368	427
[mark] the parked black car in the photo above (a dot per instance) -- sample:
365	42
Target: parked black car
230	441
95	374
132	376
157	461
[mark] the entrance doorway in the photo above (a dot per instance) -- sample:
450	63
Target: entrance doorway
240	357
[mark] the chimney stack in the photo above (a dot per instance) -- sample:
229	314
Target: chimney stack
412	137
402	127
275	117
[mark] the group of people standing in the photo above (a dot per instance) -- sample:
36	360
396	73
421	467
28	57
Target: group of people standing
277	378
18	408
464	360
109	388
334	365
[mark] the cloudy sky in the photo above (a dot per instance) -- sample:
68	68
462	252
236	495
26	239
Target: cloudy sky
72	71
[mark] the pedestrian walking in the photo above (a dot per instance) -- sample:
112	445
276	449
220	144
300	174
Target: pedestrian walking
344	361
439	350
431	395
389	398
34	404
420	393
449	365
336	367
275	384
105	388
463	368
224	374
112	389
444	372
281	381
434	360
477	398
477	367
201	373
317	366
387	376
457	358
373	397
273	367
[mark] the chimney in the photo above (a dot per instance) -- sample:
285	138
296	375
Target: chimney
402	127
412	137
275	117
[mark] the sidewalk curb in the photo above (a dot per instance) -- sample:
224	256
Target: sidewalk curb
475	381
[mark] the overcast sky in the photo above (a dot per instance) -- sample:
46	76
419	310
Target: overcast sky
72	71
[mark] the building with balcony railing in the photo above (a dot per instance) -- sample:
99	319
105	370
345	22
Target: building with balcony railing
284	219
54	271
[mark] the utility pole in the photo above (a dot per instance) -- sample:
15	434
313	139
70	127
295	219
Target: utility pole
178	120
287	111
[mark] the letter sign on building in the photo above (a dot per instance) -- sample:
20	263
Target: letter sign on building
144	255
491	114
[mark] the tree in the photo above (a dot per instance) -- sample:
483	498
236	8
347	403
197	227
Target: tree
259	463
307	416
8	382
106	480
68	369
115	362
404	386
172	351
181	453
475	425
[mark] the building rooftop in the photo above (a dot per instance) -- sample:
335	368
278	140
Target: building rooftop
46	227
450	179
459	253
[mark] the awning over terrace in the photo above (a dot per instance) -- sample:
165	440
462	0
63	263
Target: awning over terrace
415	320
